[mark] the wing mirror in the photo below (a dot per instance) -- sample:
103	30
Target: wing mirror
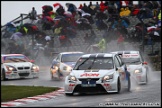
116	69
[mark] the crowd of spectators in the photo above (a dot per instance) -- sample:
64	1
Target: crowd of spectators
111	16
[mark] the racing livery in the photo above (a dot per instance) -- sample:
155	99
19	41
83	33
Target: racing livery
15	66
135	65
100	72
63	64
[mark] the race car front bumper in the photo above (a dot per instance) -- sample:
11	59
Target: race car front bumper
140	78
99	86
17	75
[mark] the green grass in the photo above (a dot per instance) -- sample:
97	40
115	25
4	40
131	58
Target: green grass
11	92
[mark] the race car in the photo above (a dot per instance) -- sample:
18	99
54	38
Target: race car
135	65
63	64
16	66
98	73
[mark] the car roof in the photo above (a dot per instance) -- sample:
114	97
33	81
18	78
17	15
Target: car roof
75	52
98	55
12	55
126	52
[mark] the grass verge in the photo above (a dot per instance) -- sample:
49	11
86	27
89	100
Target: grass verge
12	92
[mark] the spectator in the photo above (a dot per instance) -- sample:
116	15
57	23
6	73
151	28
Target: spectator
102	45
80	6
64	41
33	14
97	6
60	11
72	9
159	19
40	39
85	8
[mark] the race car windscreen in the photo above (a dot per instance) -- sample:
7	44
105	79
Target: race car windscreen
9	59
70	57
94	63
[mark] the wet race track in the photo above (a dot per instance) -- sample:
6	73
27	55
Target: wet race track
147	95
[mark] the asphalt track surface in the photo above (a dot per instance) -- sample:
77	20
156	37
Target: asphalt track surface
139	96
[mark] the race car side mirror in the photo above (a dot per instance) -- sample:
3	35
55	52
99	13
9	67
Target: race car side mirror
145	63
116	69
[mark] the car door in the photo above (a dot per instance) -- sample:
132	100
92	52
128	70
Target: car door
120	69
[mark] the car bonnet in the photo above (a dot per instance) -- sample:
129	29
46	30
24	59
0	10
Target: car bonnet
19	64
91	73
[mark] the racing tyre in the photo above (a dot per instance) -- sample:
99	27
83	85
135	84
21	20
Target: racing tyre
118	86
68	94
129	84
3	76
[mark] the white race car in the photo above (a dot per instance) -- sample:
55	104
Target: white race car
15	66
135	65
100	72
63	64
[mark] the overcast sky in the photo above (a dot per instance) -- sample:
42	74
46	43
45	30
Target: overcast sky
12	9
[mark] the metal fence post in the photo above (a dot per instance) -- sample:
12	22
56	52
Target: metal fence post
21	19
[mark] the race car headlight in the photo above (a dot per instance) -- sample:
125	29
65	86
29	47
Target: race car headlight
72	78
55	67
107	77
67	68
35	67
11	68
138	71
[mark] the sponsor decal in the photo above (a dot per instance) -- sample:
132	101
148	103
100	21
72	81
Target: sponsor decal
107	86
89	75
129	55
125	55
71	84
71	87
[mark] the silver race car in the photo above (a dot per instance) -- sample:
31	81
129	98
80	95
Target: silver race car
15	66
100	72
135	65
63	64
